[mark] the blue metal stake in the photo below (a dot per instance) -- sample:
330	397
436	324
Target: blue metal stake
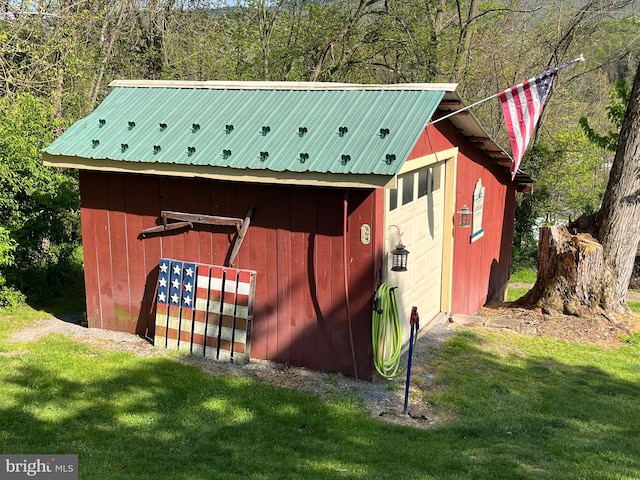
415	324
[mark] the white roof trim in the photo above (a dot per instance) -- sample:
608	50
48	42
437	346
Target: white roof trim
238	85
345	180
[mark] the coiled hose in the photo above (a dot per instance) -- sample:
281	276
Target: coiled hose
386	333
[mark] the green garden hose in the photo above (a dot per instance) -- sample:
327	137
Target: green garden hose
386	333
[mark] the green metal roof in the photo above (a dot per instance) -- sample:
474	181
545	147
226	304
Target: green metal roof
277	126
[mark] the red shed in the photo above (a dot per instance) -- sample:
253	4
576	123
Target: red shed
306	187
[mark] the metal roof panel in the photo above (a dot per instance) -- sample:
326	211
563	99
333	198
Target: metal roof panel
223	127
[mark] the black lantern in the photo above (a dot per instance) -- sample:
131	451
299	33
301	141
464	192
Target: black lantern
464	216
399	258
399	254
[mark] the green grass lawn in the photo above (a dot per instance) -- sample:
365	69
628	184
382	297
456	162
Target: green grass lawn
524	408
523	275
514	293
527	275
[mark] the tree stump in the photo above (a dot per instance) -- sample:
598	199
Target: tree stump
572	275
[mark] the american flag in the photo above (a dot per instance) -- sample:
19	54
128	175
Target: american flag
204	309
522	106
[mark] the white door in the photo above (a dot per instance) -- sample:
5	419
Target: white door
416	209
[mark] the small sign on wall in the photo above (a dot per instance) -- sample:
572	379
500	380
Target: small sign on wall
478	207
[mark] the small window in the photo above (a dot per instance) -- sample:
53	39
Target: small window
407	188
437	174
393	199
425	180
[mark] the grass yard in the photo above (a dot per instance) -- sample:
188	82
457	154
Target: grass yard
521	278
525	408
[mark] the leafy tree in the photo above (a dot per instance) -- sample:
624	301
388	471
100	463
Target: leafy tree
39	205
619	99
9	297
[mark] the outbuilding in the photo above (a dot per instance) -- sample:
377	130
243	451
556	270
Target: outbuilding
291	198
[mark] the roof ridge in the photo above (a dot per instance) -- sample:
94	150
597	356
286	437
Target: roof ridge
277	85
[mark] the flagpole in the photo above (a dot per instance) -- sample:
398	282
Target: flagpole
463	109
579	59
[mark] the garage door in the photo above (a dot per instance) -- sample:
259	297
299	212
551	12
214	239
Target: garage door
416	209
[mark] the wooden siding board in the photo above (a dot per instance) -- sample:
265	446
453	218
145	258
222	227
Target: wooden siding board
220	241
185	199
323	276
309	306
164	194
243	204
205	236
230	210
272	281
152	247
259	249
340	349
120	266
103	251
299	282
361	281
133	200
93	206
282	200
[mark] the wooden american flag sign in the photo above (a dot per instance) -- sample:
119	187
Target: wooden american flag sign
205	309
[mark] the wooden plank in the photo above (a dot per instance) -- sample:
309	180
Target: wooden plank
258	251
281	200
212	335
103	251
92	202
173	320
181	199
162	309
205	236
167	228
309	302
269	302
121	319
134	199
203	219
187	190
299	278
231	210
203	281
149	205
246	354
167	249
323	276
361	281
240	236
340	351
229	290
243	255
188	294
220	239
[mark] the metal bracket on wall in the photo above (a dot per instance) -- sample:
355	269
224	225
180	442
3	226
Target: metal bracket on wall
186	220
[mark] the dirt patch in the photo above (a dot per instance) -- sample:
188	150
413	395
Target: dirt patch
592	330
382	399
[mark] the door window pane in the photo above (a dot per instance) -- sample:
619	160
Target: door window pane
393	199
407	188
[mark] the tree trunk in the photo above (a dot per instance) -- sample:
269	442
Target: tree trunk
619	228
572	276
579	273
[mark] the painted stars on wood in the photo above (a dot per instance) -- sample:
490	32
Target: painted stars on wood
205	309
